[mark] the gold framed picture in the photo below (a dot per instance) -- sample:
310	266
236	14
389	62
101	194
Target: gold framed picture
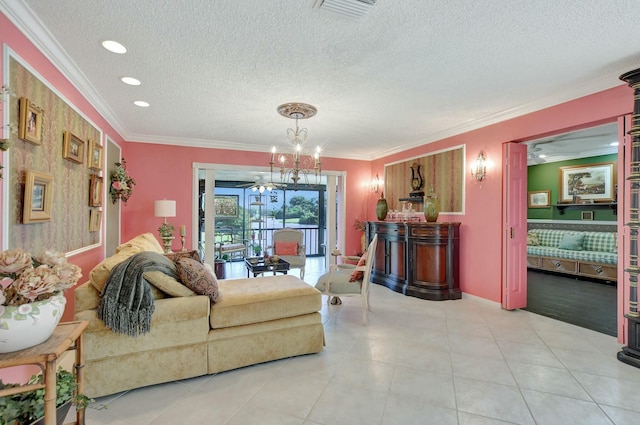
95	191
30	122
588	182
38	195
95	219
72	148
539	199
95	155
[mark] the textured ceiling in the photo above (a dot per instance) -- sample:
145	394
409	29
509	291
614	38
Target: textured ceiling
408	73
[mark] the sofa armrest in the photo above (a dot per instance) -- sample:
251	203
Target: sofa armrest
167	310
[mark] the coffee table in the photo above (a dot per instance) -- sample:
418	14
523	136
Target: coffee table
259	266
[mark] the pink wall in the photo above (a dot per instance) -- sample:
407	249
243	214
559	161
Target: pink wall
166	172
481	229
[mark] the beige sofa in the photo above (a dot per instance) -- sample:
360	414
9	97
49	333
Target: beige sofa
256	320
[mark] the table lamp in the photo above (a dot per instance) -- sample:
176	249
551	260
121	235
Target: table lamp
165	208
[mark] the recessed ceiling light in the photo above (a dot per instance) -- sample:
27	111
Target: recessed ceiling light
141	103
131	81
114	46
613	144
542	155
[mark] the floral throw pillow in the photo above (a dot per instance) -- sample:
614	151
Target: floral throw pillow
196	277
532	239
175	256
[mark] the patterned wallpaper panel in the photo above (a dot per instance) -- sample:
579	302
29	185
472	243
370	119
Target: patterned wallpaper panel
68	229
442	171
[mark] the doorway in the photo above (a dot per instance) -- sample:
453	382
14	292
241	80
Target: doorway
560	296
205	218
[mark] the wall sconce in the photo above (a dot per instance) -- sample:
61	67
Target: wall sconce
375	184
479	167
165	208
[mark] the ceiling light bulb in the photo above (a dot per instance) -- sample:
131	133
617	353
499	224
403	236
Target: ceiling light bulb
114	46
131	81
542	155
141	103
613	144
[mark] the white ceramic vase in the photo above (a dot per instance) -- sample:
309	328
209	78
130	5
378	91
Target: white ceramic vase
27	325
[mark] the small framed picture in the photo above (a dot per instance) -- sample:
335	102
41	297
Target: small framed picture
539	199
587	215
30	122
38	194
95	155
72	148
95	191
95	219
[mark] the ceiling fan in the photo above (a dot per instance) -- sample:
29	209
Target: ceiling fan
260	185
534	154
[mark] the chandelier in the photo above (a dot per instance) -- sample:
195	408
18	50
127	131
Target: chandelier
296	164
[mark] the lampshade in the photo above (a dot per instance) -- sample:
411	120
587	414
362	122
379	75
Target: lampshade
165	208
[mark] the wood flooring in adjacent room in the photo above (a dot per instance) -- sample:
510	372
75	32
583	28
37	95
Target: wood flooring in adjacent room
589	304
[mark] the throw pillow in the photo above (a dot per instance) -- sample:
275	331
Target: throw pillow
197	278
143	242
175	256
167	284
532	239
572	241
286	248
358	274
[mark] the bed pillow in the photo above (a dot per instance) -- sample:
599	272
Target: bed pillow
196	277
286	248
358	274
532	239
572	241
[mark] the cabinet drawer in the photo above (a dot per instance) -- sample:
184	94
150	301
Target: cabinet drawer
533	261
600	271
389	229
559	265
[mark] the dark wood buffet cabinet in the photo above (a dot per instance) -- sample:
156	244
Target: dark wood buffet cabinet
417	258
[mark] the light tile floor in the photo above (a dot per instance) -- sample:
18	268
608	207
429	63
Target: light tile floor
464	362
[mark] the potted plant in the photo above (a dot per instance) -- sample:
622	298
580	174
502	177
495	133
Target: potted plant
28	407
32	302
257	249
166	230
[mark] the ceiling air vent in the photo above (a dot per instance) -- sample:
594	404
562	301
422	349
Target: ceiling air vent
351	8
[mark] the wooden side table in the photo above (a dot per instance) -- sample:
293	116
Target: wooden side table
66	336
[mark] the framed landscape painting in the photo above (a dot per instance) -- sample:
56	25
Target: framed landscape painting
587	182
539	199
38	195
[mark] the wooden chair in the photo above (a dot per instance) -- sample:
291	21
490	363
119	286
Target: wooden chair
337	283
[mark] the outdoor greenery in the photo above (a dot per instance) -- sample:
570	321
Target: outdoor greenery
305	210
299	210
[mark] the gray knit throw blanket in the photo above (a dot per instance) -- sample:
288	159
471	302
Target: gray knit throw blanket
126	305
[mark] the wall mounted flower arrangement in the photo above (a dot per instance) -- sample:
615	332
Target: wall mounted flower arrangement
121	183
